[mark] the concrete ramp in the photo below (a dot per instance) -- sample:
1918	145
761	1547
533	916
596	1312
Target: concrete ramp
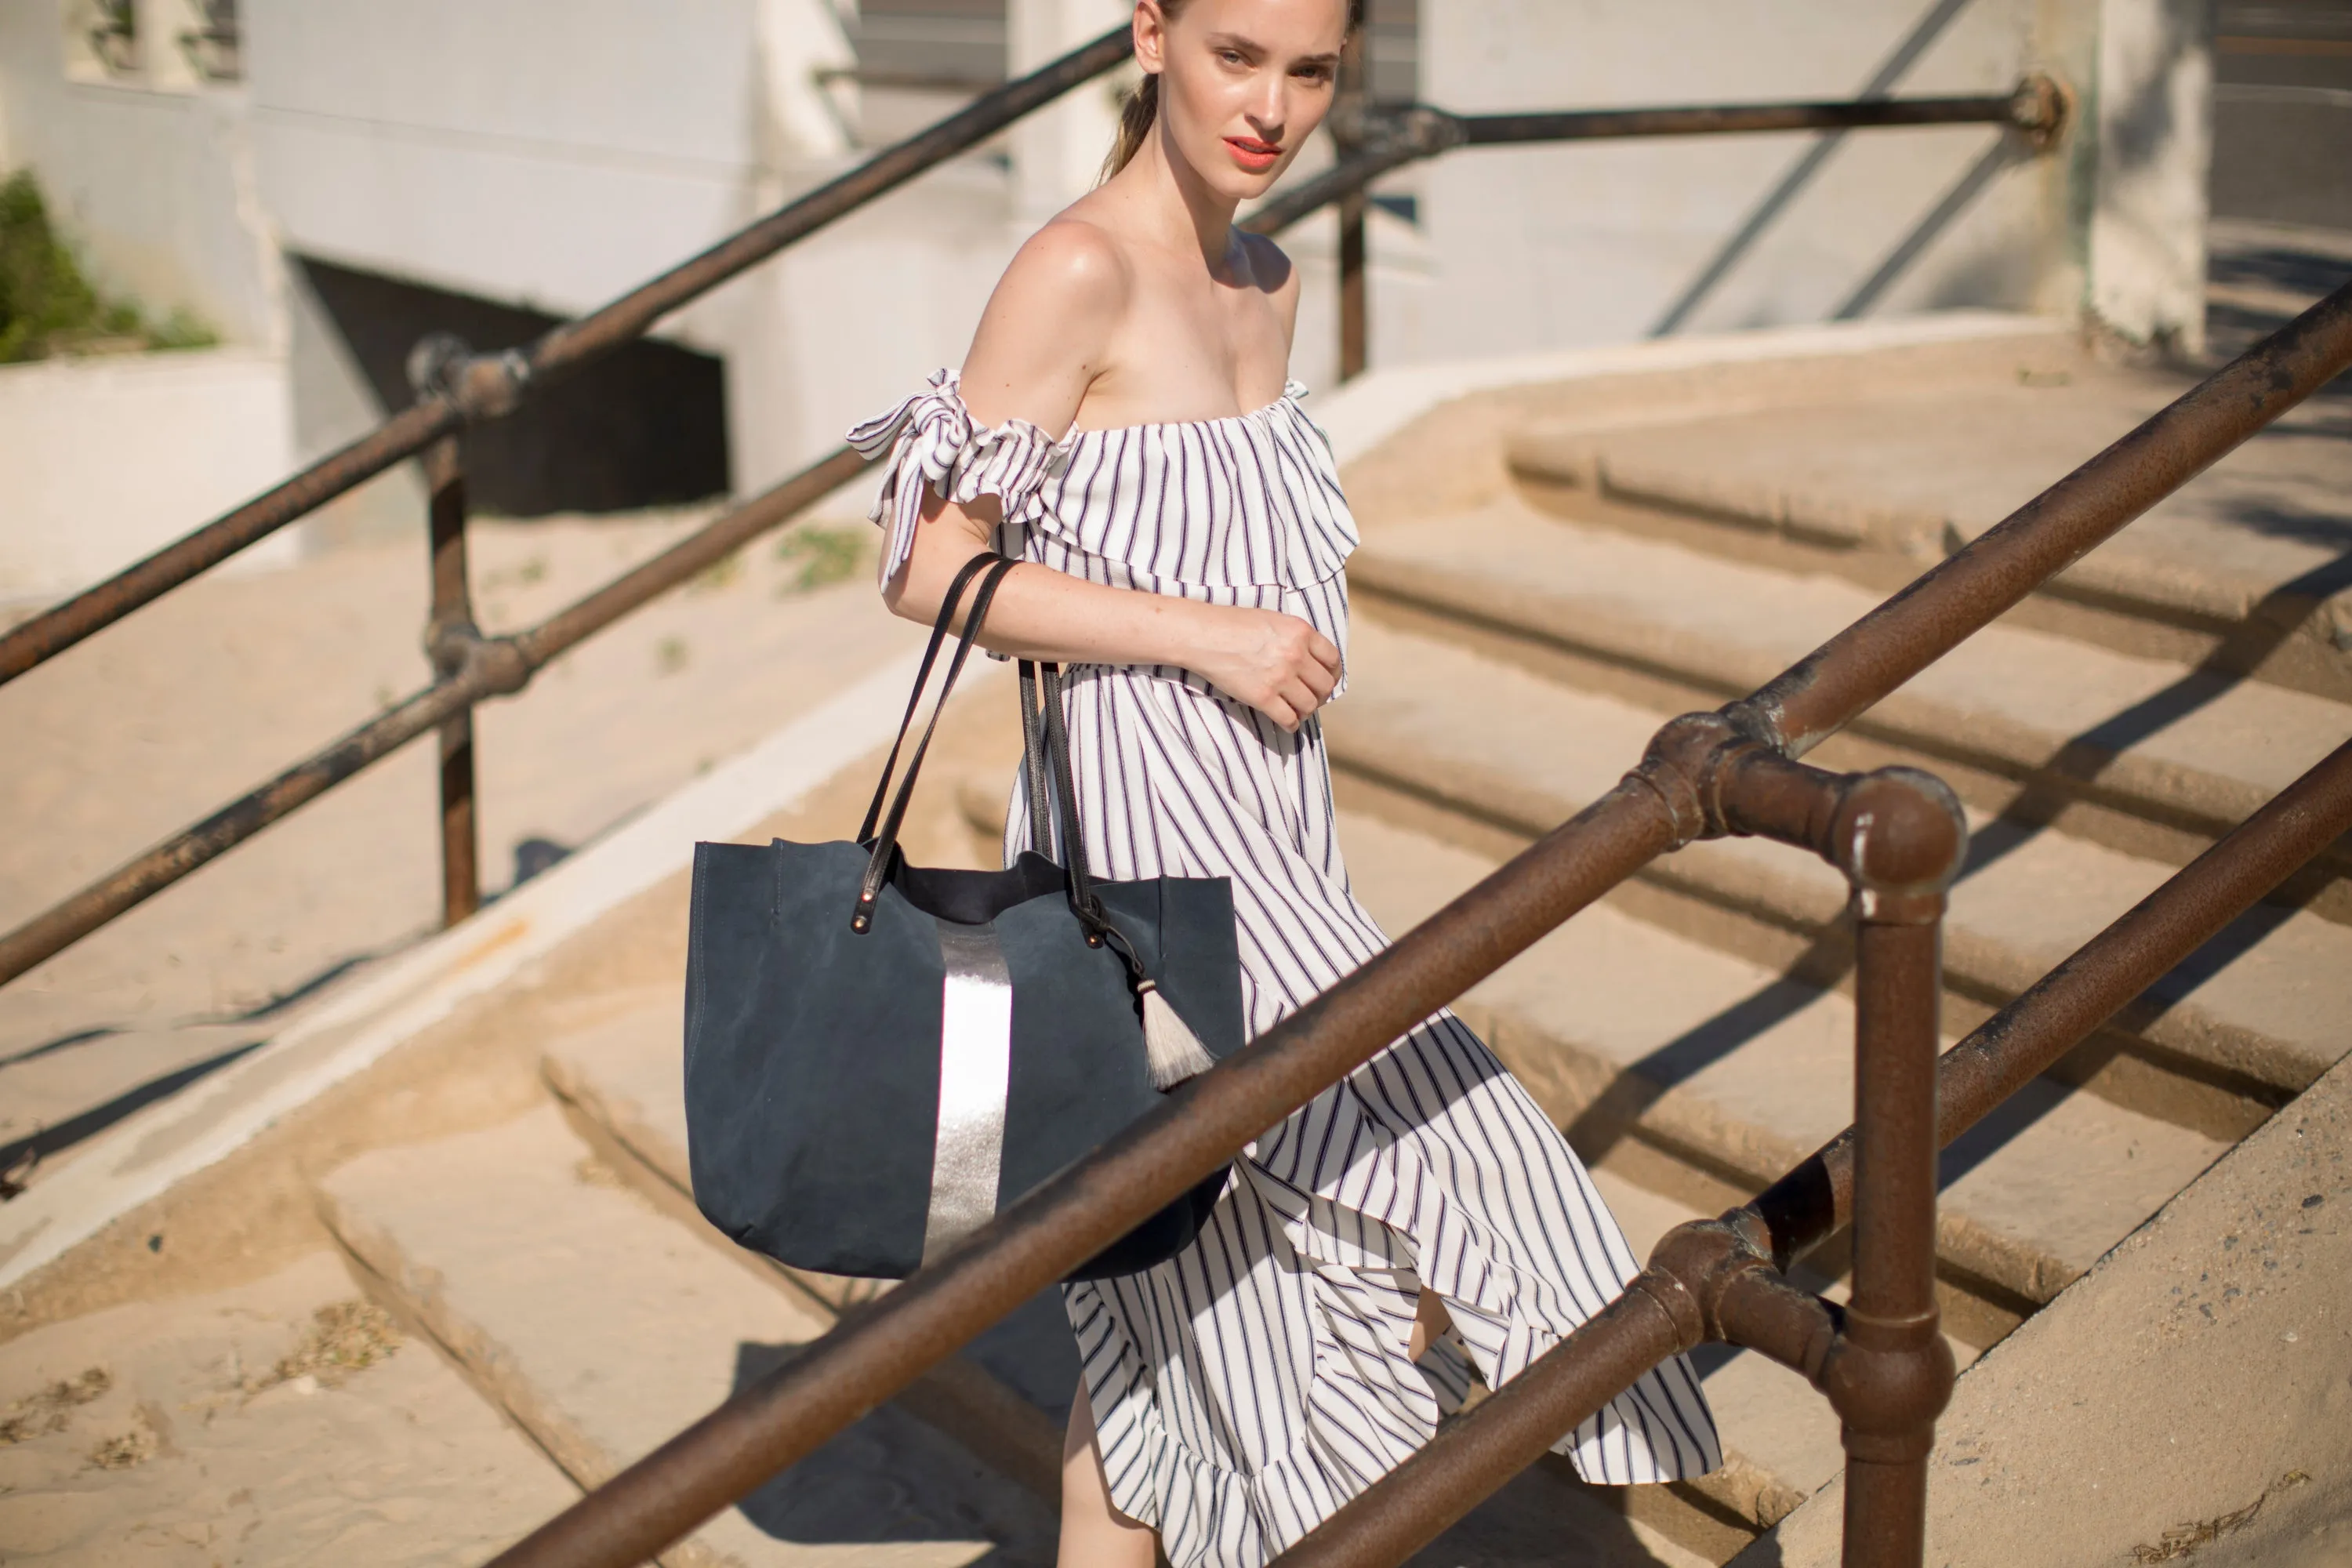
2189	1399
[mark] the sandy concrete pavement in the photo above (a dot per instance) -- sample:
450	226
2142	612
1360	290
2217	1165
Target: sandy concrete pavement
189	702
283	1420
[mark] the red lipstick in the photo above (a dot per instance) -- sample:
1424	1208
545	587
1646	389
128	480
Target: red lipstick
1253	155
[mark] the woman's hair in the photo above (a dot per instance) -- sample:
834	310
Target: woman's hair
1142	106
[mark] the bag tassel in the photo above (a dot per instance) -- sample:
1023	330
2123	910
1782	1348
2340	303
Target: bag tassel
1171	1050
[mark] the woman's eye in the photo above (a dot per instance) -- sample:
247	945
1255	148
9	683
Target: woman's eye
1231	56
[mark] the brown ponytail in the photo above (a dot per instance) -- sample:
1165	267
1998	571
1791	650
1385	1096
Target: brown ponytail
1135	119
1142	106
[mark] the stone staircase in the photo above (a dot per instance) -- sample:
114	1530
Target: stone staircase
1519	635
1693	1033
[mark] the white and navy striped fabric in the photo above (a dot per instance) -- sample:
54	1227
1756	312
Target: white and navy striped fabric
1248	1387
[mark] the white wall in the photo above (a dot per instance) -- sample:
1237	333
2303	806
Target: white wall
849	323
110	458
1607	242
556	154
1057	152
2153	118
552	153
151	176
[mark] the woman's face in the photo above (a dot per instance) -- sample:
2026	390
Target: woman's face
1242	83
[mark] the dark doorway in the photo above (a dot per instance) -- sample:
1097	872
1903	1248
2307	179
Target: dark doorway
643	426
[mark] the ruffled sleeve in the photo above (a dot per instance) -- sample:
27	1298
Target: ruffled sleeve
934	443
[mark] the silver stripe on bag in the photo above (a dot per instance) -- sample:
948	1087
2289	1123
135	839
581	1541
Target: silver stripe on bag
975	1073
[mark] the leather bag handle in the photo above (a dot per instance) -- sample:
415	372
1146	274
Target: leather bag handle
1041	724
1053	754
1033	764
1056	756
954	597
993	569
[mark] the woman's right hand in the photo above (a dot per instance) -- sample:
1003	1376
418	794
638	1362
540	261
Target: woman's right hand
1278	664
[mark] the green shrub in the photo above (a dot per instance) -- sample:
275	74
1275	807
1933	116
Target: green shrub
816	556
47	307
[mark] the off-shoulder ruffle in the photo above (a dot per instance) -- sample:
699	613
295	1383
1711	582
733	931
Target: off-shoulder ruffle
1257	496
1250	501
935	443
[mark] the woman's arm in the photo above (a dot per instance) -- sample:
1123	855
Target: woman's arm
1043	342
1278	664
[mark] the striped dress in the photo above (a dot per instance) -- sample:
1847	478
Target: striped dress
1245	1389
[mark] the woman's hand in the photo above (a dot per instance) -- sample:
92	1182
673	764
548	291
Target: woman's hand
1278	664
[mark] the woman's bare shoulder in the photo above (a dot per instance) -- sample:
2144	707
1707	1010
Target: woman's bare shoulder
1048	328
1071	272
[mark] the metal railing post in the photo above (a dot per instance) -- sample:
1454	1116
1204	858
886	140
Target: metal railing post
1900	837
1814	1199
450	633
1890	1373
1354	97
461	881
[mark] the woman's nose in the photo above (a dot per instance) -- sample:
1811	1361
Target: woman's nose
1268	107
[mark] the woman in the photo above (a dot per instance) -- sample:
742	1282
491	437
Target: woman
1422	1223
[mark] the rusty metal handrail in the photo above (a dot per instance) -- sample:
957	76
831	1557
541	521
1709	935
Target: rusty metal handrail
1674	797
1378	141
493	387
1718	1280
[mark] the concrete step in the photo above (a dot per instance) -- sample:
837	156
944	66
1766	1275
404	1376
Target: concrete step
2251	1020
1627	1033
2149	755
57	1095
603	1326
2243	568
267	1415
1006	1398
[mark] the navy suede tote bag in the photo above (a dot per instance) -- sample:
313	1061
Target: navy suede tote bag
878	1057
